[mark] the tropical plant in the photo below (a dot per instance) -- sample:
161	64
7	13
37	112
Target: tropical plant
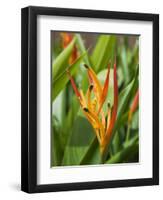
94	100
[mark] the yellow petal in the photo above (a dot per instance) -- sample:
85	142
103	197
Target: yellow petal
94	105
103	118
96	119
94	124
96	83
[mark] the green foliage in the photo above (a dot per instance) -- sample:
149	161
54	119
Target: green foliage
130	148
73	140
82	48
62	79
104	52
79	142
56	144
61	62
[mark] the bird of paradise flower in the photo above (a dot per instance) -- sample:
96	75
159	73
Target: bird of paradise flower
92	107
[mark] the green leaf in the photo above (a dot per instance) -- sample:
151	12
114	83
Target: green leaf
82	48
103	52
86	59
133	61
125	67
130	148
92	156
56	144
58	106
124	98
60	82
120	76
135	120
69	119
79	142
123	121
61	62
116	143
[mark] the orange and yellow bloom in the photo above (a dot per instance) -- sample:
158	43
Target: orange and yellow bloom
92	105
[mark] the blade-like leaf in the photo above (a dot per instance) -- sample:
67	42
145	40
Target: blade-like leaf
124	98
103	52
79	142
82	48
116	143
69	120
56	145
130	148
124	62
92	156
61	62
60	82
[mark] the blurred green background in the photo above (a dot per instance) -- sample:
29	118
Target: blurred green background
73	141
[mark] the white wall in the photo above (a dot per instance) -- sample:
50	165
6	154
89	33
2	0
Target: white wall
10	41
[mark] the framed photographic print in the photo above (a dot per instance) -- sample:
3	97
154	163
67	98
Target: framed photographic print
90	99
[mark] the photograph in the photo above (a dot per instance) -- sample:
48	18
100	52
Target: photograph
90	99
94	98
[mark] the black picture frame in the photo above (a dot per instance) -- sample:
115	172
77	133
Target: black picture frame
29	98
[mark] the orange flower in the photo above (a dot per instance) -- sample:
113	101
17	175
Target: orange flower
92	105
66	39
